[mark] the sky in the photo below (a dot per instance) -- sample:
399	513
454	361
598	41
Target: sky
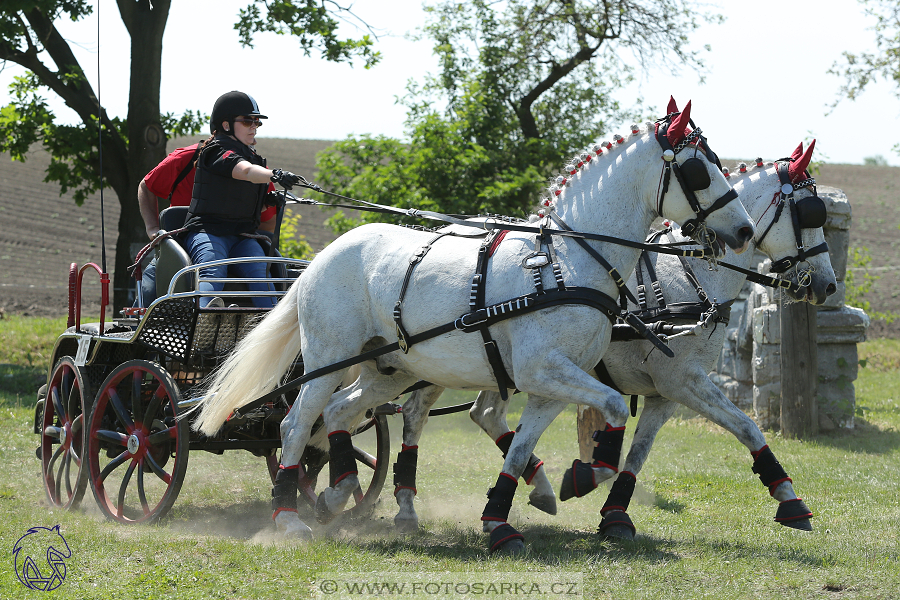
766	89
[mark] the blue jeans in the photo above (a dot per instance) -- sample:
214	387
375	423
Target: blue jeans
205	247
147	285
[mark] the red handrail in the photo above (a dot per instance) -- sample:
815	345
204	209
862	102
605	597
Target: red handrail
104	295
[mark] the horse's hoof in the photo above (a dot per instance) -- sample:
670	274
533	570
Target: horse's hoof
299	531
795	514
511	548
801	524
506	540
577	481
543	503
323	513
406	525
617	524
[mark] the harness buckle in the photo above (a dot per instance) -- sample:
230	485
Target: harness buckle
461	324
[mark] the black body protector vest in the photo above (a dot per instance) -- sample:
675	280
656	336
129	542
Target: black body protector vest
224	205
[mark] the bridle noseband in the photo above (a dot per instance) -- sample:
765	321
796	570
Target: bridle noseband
692	175
808	213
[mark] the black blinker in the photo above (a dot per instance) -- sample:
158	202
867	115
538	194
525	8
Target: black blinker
811	212
696	177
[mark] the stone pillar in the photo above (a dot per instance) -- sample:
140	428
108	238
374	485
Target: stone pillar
749	369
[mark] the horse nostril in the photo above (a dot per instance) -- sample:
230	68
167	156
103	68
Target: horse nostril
745	234
831	289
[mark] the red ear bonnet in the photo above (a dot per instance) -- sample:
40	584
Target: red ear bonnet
672	108
678	129
798	152
797	169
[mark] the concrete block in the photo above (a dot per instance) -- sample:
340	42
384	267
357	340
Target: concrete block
837	404
767	325
837	362
847	325
767	405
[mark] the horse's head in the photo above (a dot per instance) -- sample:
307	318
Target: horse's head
789	228
704	207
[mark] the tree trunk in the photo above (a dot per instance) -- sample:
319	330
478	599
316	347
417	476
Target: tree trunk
146	138
799	371
589	421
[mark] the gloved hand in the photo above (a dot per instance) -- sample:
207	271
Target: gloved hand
286	179
274	199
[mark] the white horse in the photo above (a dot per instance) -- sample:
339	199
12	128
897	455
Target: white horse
344	306
666	382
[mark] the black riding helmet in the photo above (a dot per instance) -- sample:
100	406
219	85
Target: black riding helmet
231	105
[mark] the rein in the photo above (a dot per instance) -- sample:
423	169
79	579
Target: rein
498	224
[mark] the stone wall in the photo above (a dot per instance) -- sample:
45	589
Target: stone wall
749	368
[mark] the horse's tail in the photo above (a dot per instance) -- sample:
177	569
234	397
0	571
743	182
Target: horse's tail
255	367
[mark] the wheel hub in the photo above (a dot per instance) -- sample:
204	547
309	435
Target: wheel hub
63	434
134	444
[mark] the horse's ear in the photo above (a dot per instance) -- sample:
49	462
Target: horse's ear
798	152
676	131
797	169
672	108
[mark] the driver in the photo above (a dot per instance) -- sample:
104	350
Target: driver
229	195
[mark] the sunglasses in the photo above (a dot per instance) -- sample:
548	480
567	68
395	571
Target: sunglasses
248	122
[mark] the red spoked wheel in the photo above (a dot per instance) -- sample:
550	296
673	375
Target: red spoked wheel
134	433
62	434
372	449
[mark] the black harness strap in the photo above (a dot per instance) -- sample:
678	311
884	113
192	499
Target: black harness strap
415	259
476	302
469	323
613	272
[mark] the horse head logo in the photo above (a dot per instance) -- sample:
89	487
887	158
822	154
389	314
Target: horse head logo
39	558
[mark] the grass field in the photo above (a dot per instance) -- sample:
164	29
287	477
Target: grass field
704	520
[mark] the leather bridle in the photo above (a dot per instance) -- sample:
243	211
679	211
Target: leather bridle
692	175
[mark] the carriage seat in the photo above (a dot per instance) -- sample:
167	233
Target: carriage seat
172	257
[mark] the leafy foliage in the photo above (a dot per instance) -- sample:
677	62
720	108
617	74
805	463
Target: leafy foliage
291	244
29	38
314	25
860	69
859	281
517	92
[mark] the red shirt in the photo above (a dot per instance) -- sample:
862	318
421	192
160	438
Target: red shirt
160	180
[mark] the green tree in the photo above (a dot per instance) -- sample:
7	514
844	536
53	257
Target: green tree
521	85
860	69
135	143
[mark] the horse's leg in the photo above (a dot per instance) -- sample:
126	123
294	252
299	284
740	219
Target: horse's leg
415	415
697	392
340	415
616	522
295	432
489	413
551	384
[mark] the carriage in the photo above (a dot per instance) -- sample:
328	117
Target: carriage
113	413
144	369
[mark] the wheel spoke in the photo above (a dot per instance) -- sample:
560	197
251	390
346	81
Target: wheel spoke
159	396
365	458
113	465
67	462
161	437
65	381
154	466
53	458
120	502
141	493
57	404
73	402
137	378
121	412
113	437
